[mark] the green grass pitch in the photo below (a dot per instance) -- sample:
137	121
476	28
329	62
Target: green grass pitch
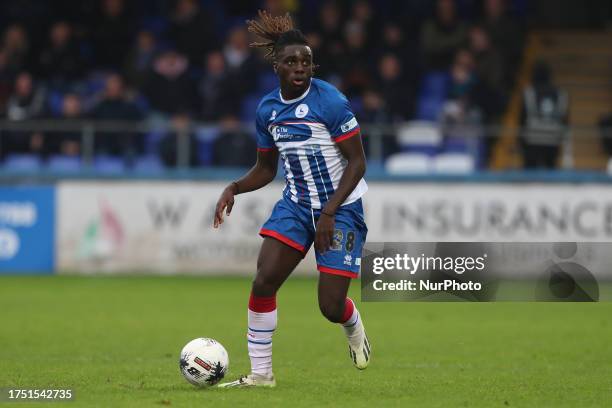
115	341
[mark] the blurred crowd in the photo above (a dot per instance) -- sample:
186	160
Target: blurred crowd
189	61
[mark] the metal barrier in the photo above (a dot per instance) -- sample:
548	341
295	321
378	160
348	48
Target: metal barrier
374	133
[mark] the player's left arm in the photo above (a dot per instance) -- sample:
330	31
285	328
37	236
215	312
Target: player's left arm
352	150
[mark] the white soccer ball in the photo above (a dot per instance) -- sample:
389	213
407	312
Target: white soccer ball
203	362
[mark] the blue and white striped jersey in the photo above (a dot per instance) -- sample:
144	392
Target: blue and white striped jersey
305	131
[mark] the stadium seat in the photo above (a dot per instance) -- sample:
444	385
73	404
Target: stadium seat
457	145
22	162
205	136
155	24
249	107
148	164
55	101
408	163
435	85
429	108
109	164
268	81
64	164
454	163
419	137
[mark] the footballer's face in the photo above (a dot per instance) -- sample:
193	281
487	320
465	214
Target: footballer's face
294	68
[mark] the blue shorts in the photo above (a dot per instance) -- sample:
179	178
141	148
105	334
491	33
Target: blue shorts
294	225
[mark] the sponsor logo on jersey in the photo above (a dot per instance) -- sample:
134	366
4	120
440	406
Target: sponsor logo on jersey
351	124
301	110
282	134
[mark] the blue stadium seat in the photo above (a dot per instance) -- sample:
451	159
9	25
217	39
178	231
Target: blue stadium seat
55	101
155	24
148	164
151	141
435	85
64	164
206	136
429	108
22	162
109	164
267	82
249	106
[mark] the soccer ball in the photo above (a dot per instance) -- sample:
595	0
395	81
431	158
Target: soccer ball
203	362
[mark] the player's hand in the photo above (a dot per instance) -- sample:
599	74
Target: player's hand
225	203
325	233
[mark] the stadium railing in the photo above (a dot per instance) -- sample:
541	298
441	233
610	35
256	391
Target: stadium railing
413	150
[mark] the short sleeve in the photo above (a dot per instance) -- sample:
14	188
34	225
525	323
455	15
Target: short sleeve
264	138
340	119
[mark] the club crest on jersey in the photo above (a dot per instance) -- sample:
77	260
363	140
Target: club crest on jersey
301	110
273	115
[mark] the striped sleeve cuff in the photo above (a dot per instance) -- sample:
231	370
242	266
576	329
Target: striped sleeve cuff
347	135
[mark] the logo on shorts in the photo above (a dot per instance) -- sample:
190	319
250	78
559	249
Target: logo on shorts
337	243
301	111
348	259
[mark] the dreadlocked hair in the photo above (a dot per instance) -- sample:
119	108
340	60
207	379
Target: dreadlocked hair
277	31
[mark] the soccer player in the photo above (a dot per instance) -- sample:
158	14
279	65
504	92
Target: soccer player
309	123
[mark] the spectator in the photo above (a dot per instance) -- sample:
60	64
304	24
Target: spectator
362	14
68	142
442	36
140	58
462	117
115	105
605	131
6	79
15	47
178	135
27	102
489	62
214	89
192	31
241	63
396	92
112	34
394	42
169	87
506	35
61	61
544	118
234	146
375	113
332	48
354	63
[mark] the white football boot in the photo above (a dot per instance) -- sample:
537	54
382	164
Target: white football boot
251	380
359	347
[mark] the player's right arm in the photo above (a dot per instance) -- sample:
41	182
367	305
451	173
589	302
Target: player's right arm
260	175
